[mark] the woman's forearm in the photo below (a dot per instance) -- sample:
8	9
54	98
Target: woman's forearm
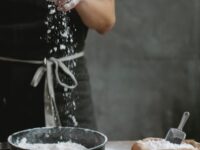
97	14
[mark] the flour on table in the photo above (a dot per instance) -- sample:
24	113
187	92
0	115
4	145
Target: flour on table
164	145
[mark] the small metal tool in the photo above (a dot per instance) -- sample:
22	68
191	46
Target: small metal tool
176	135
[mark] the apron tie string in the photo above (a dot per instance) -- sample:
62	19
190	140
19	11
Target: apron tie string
48	68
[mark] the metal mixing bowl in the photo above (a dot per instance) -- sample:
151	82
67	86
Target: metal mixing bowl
91	139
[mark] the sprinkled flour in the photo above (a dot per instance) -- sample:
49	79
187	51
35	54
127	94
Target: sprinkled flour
58	146
164	145
60	38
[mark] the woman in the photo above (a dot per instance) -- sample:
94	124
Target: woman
24	54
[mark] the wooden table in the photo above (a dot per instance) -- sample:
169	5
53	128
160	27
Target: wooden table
119	145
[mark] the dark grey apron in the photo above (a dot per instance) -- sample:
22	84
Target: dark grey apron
21	105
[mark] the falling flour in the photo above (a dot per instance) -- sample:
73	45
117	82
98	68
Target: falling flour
60	38
164	145
56	146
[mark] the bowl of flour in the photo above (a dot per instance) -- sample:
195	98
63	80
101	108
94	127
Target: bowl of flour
57	138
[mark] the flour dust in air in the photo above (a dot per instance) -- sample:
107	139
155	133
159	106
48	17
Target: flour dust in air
60	38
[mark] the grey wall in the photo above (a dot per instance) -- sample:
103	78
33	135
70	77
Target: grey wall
145	72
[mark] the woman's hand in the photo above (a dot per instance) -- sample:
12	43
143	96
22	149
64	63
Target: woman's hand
66	5
96	14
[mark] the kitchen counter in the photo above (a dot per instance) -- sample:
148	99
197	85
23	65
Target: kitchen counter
119	145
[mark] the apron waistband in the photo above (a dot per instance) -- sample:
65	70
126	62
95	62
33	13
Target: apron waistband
47	67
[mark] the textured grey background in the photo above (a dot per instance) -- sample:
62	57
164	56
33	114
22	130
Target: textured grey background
145	72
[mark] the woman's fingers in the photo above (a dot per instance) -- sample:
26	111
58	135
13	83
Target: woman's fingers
68	6
60	3
65	5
